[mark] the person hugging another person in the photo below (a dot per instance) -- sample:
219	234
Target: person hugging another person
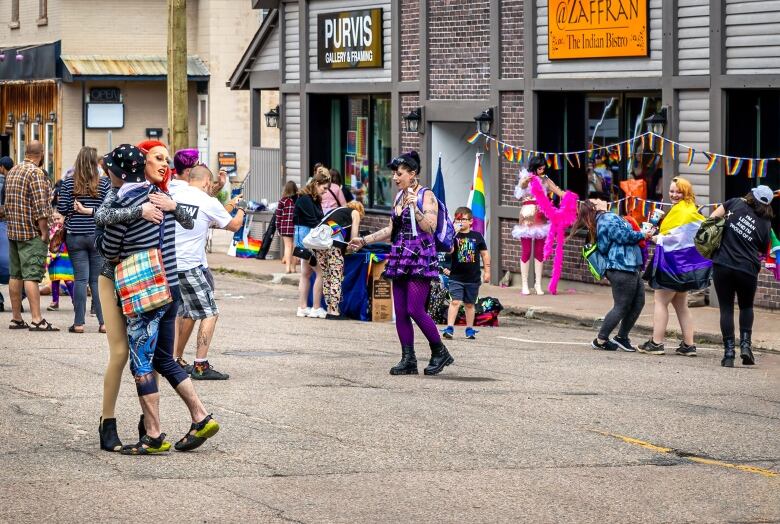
465	274
60	267
618	244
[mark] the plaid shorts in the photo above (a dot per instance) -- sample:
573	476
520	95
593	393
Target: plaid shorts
197	295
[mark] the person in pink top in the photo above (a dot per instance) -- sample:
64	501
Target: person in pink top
333	197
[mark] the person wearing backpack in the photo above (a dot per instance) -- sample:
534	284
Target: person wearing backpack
736	264
618	244
412	263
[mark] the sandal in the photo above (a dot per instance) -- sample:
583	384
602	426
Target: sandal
43	325
18	324
148	446
72	329
203	430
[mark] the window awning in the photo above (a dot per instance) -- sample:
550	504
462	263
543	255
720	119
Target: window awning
130	67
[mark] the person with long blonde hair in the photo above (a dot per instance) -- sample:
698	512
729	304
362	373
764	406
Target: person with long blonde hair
676	268
79	198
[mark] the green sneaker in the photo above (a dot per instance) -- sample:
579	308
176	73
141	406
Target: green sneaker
148	446
198	434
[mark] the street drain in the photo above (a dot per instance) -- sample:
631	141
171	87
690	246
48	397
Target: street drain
254	353
467	379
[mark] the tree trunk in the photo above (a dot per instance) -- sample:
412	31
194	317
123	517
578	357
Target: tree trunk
178	111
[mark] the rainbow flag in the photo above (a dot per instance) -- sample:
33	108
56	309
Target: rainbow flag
248	248
477	198
473	138
335	227
60	266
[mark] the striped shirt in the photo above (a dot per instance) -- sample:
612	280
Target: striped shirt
119	241
76	223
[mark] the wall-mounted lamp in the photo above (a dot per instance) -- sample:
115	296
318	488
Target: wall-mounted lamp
23	119
38	118
657	122
9	123
272	118
484	121
52	117
2	56
414	121
19	56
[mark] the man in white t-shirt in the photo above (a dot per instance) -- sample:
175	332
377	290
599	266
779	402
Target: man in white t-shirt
197	293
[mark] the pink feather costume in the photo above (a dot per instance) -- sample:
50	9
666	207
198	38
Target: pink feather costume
559	218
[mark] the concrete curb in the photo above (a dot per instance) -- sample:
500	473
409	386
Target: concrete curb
529	312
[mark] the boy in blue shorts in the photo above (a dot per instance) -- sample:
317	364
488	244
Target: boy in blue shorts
465	274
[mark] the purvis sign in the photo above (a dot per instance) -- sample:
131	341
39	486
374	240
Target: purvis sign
350	39
597	28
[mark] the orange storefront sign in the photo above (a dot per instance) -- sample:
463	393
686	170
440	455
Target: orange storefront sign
597	28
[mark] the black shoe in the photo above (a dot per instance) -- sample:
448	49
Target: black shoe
624	343
184	365
686	350
728	354
109	439
607	345
207	373
651	348
440	357
408	363
746	349
141	427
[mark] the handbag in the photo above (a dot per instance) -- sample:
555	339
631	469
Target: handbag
140	281
321	236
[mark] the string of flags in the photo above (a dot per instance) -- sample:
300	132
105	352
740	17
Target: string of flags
755	167
630	204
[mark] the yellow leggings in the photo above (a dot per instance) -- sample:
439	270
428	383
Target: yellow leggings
116	330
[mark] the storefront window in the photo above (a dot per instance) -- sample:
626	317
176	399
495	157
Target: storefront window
21	140
352	134
50	149
579	121
751	132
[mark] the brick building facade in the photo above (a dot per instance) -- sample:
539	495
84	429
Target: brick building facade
454	59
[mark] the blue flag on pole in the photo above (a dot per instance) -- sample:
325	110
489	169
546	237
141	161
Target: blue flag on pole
438	185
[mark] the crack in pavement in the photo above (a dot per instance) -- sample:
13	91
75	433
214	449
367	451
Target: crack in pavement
279	513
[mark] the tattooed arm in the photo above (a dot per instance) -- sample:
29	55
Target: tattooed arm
378	236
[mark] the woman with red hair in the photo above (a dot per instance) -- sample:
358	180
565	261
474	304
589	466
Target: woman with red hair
156	162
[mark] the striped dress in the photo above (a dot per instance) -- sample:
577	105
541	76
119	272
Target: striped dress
119	241
76	223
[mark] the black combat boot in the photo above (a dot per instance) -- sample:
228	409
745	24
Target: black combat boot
746	348
109	439
440	357
408	363
728	354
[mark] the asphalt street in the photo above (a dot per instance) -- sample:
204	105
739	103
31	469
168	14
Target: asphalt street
528	425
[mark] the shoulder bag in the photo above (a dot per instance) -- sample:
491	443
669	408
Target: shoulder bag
140	281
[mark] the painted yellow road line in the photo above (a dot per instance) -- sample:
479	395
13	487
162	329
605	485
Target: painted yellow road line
692	458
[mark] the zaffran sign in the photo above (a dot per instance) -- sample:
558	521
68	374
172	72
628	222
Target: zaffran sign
350	39
597	28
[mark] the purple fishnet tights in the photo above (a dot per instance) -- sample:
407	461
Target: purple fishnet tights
409	298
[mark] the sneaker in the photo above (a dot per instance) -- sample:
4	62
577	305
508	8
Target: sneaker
471	333
448	332
303	312
184	365
317	313
607	345
651	348
686	350
624	344
207	372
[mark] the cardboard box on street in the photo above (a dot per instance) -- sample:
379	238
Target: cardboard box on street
381	293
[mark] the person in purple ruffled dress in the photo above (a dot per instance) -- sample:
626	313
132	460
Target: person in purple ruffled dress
412	264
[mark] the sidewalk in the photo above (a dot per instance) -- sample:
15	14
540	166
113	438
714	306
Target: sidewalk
584	304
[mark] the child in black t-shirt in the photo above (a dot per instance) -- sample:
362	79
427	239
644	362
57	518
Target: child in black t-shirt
465	274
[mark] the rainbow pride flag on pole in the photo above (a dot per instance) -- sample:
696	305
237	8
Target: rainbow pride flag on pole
477	197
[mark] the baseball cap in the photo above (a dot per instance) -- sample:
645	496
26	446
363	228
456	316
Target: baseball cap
763	194
6	162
